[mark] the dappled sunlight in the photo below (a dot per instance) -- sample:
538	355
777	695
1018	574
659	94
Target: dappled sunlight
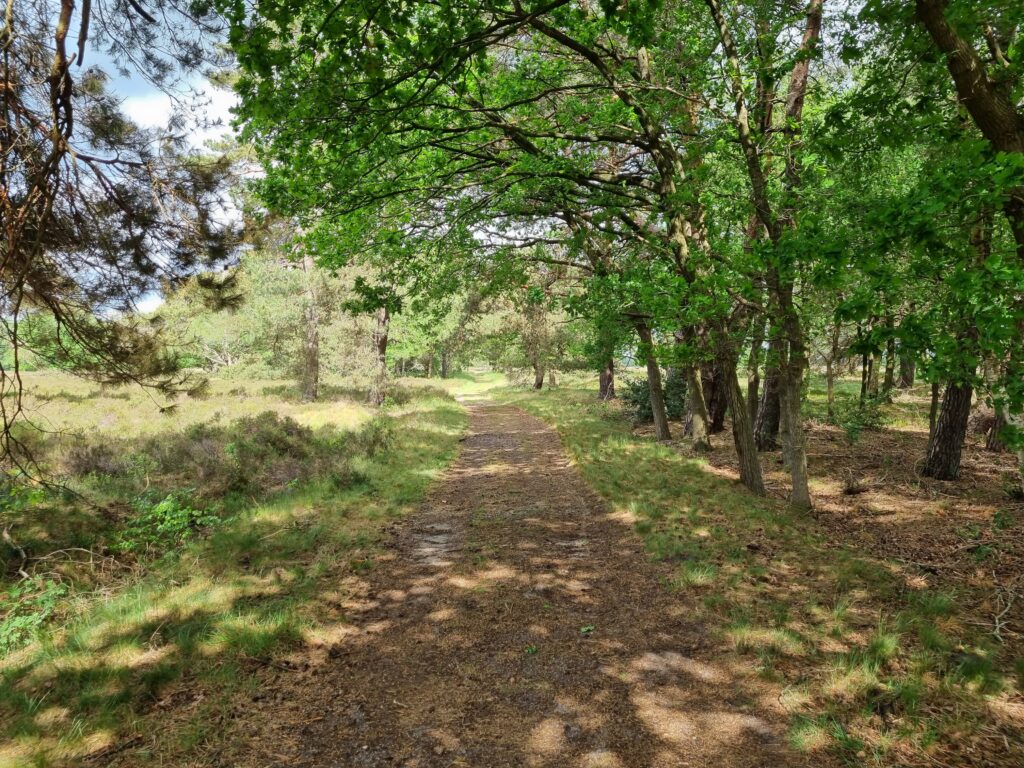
859	645
516	617
268	581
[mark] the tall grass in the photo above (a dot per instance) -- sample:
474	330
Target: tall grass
205	609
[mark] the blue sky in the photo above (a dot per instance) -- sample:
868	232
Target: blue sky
150	107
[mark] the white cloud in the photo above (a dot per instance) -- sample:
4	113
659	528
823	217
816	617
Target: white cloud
153	110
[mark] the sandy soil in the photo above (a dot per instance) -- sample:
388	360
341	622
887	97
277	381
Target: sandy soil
514	621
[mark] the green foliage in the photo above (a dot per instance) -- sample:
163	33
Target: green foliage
856	418
161	525
25	607
635	394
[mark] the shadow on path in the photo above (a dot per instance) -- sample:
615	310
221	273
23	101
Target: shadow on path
514	622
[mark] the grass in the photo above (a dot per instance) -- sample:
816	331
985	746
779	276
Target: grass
201	613
870	668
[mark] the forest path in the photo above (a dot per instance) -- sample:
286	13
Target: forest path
514	621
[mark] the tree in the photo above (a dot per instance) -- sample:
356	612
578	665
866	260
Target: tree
96	211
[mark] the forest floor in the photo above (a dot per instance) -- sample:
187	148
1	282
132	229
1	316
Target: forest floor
513	621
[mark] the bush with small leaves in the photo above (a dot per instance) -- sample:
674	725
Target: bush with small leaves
636	398
162	524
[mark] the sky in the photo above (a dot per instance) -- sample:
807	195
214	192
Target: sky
150	107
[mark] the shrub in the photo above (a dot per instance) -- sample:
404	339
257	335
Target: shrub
398	396
376	437
252	458
636	398
268	452
24	608
858	418
92	459
162	525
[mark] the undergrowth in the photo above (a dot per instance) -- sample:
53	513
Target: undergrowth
193	554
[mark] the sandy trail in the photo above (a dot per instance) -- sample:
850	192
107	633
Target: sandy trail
515	622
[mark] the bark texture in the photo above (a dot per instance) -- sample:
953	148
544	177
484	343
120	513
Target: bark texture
606	389
378	390
311	338
946	446
655	385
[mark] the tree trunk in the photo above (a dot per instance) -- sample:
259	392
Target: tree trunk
766	428
538	375
993	440
311	340
445	363
890	366
716	396
698	410
873	370
830	387
1016	420
780	282
791	377
742	429
946	447
607	381
551	378
933	413
830	370
865	364
908	368
654	383
753	363
378	390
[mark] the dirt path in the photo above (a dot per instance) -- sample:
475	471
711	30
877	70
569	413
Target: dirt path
515	622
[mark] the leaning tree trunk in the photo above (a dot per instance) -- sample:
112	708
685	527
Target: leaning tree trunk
657	389
946	446
908	368
378	390
606	385
311	340
766	428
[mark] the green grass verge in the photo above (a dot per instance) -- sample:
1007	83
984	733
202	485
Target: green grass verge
257	585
